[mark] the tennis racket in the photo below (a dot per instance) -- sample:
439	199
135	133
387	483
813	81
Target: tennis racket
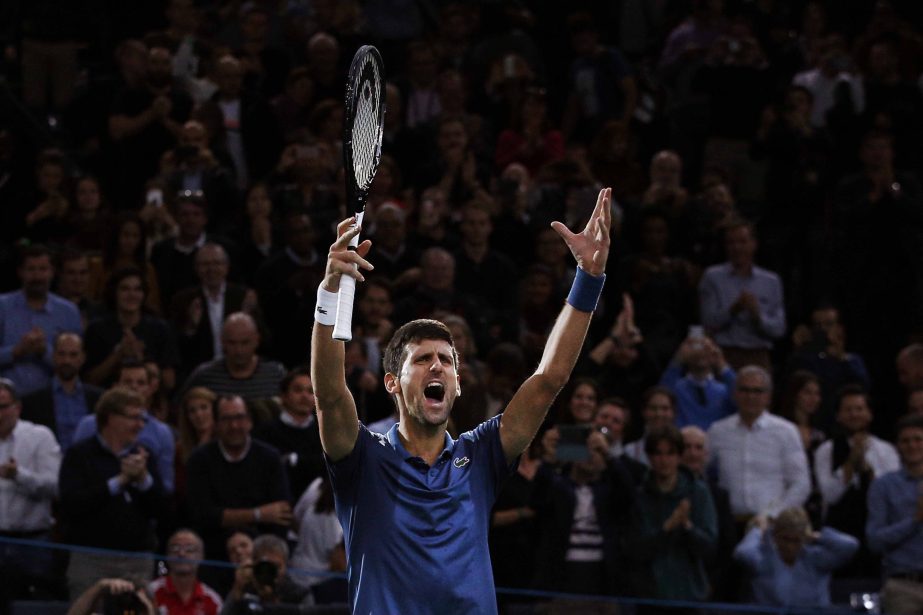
363	124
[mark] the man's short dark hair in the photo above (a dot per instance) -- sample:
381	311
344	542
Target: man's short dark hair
658	390
852	390
114	401
669	434
129	364
216	407
289	377
910	421
414	331
34	250
67	255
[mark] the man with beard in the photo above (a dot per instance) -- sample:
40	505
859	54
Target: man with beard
30	318
62	404
414	503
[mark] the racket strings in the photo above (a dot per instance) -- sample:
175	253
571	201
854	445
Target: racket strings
367	125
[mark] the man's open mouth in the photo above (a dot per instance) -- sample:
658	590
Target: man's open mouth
434	391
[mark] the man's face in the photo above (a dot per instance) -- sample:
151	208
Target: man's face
476	226
191	220
390	230
239	342
136	379
438	271
68	357
298	399
9	415
789	544
125	425
428	383
751	395
234	424
211	266
664	461
854	413
159	66
612	418
74	277
36	273
910	446
229	77
909	372
740	246
300	236
658	412
376	305
186	550
695	451
666	170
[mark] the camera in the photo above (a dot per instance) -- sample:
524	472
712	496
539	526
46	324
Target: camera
265	573
572	445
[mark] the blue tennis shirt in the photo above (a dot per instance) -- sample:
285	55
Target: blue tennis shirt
416	536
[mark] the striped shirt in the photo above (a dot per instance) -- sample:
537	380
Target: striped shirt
586	540
262	384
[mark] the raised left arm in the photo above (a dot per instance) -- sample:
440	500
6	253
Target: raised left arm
528	407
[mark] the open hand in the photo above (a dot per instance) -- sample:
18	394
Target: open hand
590	247
341	260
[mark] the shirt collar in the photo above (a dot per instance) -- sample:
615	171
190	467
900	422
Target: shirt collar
227	456
291	421
118	454
759	423
395	440
221	292
198	244
57	387
197	592
19	299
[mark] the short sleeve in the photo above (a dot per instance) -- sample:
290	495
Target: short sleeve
344	474
485	443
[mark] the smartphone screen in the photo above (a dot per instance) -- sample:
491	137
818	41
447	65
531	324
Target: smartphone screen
572	445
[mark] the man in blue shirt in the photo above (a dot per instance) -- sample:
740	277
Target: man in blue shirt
895	522
703	392
61	405
741	304
30	319
414	503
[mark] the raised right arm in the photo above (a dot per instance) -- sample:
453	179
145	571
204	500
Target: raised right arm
336	409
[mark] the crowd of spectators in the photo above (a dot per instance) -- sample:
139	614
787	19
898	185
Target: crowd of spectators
752	385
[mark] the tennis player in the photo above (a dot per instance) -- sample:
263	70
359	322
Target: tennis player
414	503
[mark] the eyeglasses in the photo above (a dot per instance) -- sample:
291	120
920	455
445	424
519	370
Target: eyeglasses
183	549
752	390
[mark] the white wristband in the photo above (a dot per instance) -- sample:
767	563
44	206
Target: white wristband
325	312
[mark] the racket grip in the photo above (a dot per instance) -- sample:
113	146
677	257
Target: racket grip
343	329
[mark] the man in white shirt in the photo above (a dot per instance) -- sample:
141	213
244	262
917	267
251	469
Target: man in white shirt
759	457
845	467
29	461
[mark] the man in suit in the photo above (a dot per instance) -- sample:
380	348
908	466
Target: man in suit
60	405
199	311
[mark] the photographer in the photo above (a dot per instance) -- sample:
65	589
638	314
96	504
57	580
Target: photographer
263	580
112	596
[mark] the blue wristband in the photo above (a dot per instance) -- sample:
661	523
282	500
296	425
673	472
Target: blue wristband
585	291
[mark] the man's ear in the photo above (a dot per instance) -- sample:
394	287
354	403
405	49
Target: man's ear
457	386
392	384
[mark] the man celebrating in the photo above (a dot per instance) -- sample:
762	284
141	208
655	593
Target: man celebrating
414	503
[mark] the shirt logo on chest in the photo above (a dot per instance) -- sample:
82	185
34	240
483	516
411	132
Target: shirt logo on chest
461	462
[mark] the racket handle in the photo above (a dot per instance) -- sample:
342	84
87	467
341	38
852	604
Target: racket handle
343	329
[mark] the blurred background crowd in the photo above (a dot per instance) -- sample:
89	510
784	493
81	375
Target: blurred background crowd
741	423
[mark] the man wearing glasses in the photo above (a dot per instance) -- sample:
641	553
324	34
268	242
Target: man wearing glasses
759	456
236	481
180	592
111	495
29	462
